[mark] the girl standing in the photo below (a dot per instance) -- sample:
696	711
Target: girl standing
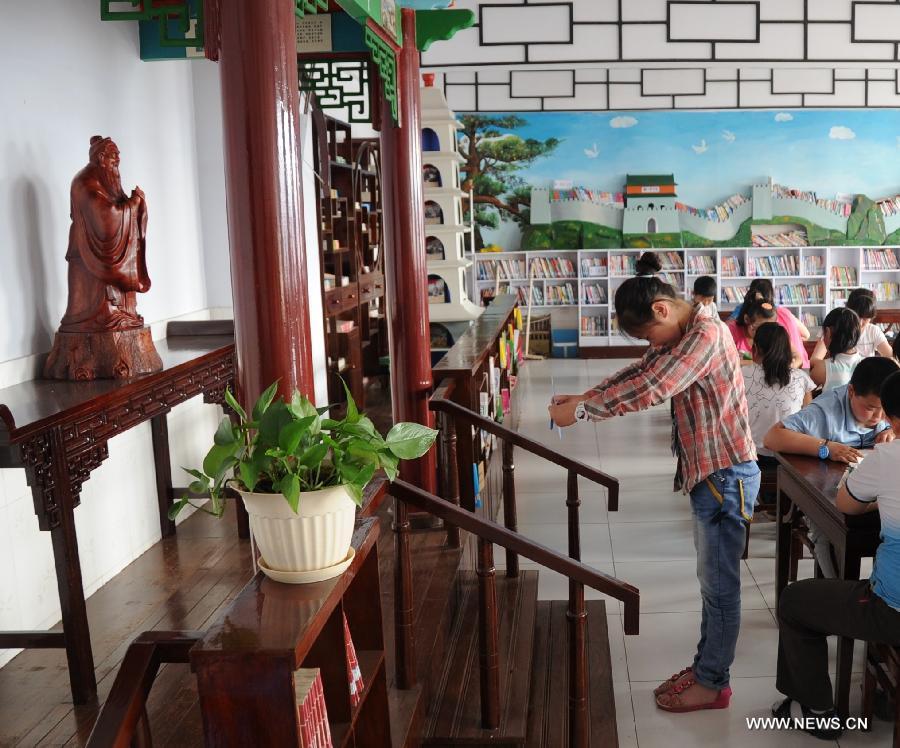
692	361
840	333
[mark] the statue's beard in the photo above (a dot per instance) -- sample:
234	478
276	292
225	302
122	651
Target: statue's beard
112	182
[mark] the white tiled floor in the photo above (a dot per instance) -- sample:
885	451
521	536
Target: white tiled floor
648	543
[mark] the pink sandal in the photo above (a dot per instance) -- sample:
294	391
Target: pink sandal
720	702
668	685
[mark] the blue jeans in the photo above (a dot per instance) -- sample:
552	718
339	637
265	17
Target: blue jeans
722	506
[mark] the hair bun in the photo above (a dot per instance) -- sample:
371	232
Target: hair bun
648	264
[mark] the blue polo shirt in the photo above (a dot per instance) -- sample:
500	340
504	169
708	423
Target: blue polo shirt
829	417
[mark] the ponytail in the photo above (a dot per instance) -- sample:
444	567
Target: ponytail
772	344
648	264
844	326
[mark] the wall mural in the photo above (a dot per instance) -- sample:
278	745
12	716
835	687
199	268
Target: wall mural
561	180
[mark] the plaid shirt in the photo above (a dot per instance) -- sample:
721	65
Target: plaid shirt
702	376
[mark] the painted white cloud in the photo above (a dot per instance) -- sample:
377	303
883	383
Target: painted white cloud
728	136
701	148
783	117
839	132
592	152
623	122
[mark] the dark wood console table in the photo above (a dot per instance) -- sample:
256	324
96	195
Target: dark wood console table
58	432
245	663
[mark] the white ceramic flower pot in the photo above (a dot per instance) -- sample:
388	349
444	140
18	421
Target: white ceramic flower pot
317	537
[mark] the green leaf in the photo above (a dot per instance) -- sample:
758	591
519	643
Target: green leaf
300	406
313	456
265	400
292	433
276	417
290	487
199	486
355	493
177	507
352	411
196	473
329	424
389	463
357	475
410	440
233	404
225	433
216	458
363	451
249	474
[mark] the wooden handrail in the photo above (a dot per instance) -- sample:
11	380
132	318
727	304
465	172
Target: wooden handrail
123	718
440	404
540	554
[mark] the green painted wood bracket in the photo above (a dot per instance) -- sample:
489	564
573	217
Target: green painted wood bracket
440	25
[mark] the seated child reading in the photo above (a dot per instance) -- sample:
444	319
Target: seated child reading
705	296
840	333
871	337
754	314
811	610
835	426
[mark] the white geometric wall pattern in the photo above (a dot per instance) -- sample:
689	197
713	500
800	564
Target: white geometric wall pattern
524	32
602	89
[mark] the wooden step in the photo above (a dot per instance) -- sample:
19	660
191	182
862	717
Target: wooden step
454	714
548	711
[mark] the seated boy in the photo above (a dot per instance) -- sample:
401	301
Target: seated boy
813	609
705	296
835	426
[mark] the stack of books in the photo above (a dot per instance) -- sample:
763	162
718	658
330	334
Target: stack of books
560	294
795	238
593	326
593	293
731	267
843	276
311	711
814	293
773	265
593	267
814	265
354	674
890	206
552	267
717	213
880	259
702	265
584	194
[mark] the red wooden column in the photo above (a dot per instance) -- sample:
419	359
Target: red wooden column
260	104
406	271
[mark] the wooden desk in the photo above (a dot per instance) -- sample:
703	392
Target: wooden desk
58	432
245	663
811	484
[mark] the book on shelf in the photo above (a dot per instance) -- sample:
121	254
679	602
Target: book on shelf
890	206
563	194
880	259
814	265
561	294
840	205
701	265
354	674
718	213
773	265
670	260
733	294
507	269
731	267
795	238
593	293
622	264
810	319
884	291
676	280
552	267
813	293
312	714
842	275
593	326
593	267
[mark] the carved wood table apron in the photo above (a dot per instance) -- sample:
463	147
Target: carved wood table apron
58	432
811	485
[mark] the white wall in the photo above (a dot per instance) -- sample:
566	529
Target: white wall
67	76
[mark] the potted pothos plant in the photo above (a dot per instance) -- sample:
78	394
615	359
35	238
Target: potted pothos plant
301	476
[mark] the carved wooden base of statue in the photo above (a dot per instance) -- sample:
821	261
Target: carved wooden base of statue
101	335
116	354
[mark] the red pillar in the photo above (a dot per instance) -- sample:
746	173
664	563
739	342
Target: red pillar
260	105
405	260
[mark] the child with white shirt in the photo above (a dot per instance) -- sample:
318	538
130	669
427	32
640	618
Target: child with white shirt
813	609
705	296
872	339
840	334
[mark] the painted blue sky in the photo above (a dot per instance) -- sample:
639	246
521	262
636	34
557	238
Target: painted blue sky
715	154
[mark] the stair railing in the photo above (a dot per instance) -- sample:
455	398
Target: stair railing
122	721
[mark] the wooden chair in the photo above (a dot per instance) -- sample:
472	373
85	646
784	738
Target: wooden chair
882	668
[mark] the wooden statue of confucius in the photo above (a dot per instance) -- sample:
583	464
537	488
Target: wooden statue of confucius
101	335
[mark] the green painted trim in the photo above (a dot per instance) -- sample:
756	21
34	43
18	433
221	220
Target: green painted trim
649	180
386	61
440	25
364	10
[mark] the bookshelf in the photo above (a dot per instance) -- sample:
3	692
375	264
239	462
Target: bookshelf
808	280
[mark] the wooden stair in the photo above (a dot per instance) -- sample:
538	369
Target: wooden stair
533	638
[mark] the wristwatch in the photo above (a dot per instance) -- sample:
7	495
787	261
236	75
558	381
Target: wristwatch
824	452
580	412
